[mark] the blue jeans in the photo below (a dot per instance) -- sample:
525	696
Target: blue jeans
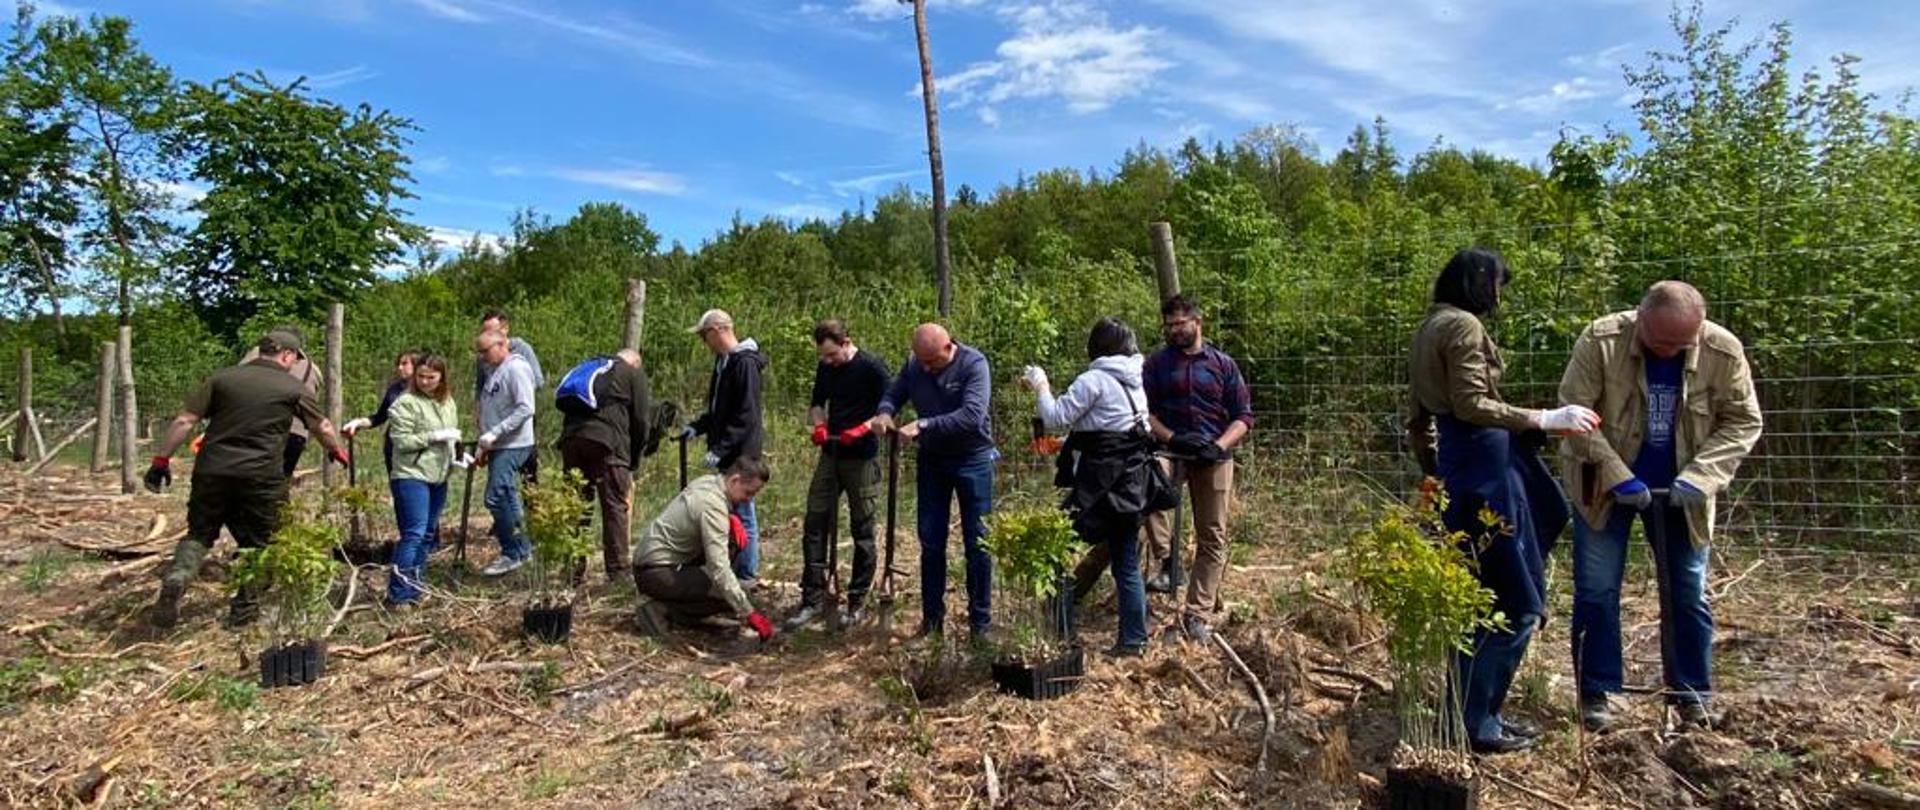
1486	674
746	564
503	500
416	508
1123	548
937	482
1686	622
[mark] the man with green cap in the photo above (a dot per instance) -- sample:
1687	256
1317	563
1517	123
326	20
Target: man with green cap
238	479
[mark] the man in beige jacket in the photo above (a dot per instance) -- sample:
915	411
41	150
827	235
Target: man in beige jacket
682	567
1678	414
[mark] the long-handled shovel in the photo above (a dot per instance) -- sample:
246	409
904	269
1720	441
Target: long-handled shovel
466	508
683	462
888	590
1656	524
356	522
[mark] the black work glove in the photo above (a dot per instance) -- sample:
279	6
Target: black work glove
159	474
1189	445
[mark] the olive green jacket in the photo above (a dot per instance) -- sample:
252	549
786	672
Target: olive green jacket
1716	427
1455	369
694	530
409	422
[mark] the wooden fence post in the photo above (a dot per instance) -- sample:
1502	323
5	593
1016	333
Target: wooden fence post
1165	268
25	427
129	410
635	330
103	408
336	328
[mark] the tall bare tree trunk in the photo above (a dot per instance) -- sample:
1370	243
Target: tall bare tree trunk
129	413
942	259
103	406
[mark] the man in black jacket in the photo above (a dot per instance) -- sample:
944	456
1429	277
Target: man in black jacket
605	443
847	387
732	421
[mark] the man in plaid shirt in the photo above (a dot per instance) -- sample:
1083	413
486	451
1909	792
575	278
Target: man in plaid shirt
1200	410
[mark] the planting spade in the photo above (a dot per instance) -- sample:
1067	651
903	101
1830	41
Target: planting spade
887	592
356	523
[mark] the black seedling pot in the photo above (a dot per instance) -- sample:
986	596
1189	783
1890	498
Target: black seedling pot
293	664
1043	680
1419	790
549	624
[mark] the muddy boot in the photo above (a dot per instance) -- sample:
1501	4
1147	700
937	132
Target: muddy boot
243	609
1596	712
651	615
187	557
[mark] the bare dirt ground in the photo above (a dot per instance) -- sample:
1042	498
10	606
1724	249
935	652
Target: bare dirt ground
449	706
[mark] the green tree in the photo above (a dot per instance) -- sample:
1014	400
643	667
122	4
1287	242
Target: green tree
37	204
303	208
121	108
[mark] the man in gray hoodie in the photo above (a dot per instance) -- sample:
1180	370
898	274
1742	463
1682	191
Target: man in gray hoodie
506	441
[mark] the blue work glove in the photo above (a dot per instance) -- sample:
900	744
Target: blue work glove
1633	494
1686	495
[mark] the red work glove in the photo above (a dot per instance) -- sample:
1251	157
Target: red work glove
760	625
738	531
339	456
198	441
854	434
820	435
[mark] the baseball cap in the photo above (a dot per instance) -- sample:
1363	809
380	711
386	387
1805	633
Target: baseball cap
712	319
286	339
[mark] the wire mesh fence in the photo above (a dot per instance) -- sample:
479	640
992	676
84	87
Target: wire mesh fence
1828	326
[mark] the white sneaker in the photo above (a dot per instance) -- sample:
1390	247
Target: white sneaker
805	617
501	566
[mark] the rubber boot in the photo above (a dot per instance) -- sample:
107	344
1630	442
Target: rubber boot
187	557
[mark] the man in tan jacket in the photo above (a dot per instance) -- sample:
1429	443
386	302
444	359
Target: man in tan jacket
1678	414
682	567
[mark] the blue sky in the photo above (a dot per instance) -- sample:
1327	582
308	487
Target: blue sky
694	110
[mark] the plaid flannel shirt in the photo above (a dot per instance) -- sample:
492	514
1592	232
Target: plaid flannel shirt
1197	393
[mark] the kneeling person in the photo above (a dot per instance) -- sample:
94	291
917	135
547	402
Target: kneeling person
682	567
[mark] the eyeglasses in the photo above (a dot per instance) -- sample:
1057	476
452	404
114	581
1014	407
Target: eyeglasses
1178	322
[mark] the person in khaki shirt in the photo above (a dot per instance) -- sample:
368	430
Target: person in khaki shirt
1485	452
1679	414
683	565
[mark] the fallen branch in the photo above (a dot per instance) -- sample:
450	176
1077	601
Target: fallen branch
47	456
353	587
1259	693
1872	795
993	780
83	656
1176	665
369	652
1536	795
1357	677
600	681
1727	587
496	705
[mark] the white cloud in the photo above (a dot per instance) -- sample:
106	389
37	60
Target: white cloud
458	238
341	78
791	179
449	10
184	193
807	211
1558	97
437	164
1061	49
894	9
643	181
869	184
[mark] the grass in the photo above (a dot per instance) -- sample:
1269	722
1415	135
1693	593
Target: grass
42	569
547	784
34	677
540	683
229	694
715	697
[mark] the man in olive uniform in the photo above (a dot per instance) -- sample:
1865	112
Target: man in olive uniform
239	481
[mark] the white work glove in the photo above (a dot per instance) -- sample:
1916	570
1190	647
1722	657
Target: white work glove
464	461
1567	420
487	439
1034	378
446	435
710	460
354	425
688	432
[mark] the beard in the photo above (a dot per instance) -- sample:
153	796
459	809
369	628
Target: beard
1183	341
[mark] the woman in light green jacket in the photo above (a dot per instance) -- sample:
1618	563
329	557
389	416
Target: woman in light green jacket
425	431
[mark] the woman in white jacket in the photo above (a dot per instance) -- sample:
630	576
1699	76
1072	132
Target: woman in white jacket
1104	462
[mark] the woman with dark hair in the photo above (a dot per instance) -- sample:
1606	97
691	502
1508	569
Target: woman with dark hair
1487	457
1104	462
424	433
402	377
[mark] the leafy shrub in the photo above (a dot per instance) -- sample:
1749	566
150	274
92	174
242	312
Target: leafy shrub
557	525
1031	546
1419	579
292	574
